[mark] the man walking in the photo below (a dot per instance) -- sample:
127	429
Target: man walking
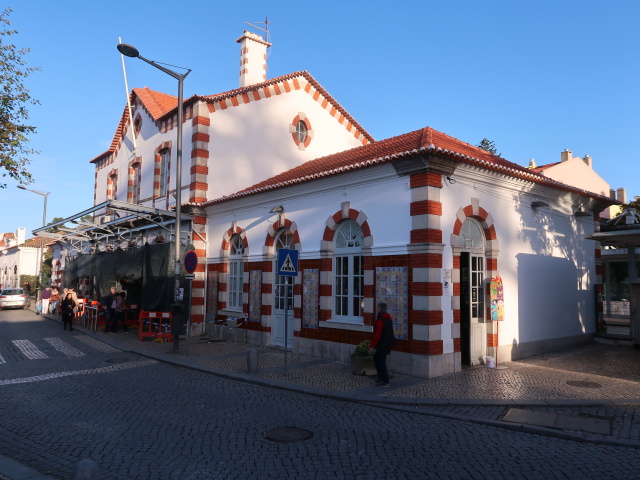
383	341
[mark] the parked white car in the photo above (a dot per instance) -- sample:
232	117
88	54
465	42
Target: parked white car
13	298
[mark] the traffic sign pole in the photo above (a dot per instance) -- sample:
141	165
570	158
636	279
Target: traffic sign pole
286	324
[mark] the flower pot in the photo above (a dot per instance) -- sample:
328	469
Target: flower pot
363	365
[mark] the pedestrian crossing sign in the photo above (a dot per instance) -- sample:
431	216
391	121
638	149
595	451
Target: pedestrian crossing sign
287	262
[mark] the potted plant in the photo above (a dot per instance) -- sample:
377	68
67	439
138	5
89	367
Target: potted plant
362	360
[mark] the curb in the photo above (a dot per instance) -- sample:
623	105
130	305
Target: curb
406	404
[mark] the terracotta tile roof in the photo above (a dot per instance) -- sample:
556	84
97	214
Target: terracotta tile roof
304	74
35	242
426	141
542	168
7	237
160	104
156	103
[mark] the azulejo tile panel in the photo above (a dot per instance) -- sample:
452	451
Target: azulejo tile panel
392	287
212	292
255	295
310	282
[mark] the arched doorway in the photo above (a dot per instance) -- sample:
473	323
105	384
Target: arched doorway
473	328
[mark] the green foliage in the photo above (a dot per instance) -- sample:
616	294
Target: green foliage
489	146
47	264
32	279
362	349
14	133
54	229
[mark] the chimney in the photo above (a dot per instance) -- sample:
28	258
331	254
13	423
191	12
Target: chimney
532	164
587	159
253	59
612	193
622	195
21	235
566	155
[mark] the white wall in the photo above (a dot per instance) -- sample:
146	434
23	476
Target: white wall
377	192
24	258
148	140
547	268
251	142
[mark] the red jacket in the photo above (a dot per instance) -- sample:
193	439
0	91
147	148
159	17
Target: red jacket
379	326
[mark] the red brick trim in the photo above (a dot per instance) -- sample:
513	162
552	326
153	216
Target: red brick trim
427	179
425	207
426	235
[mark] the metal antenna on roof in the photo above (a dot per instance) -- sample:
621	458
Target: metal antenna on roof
265	30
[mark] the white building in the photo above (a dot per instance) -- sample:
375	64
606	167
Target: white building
422	221
19	257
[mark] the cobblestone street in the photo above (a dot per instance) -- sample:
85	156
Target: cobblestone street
142	411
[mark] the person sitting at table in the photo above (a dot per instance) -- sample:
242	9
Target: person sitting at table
54	300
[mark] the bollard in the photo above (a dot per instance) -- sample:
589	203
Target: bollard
252	360
87	470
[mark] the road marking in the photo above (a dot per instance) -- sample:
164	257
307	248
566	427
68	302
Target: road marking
92	371
2	360
64	347
97	344
29	350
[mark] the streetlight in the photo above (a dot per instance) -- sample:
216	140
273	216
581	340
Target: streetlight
131	51
44	222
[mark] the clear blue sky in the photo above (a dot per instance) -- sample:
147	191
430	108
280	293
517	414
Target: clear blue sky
534	77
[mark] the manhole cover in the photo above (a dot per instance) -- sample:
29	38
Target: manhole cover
117	360
288	434
584	384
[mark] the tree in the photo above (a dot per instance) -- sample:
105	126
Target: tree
54	229
489	146
14	132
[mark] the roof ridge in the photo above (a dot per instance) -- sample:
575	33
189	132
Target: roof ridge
424	140
154	94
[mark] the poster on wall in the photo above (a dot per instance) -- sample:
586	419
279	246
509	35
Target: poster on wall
497	299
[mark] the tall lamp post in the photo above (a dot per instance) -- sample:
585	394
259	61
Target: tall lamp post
130	51
41	246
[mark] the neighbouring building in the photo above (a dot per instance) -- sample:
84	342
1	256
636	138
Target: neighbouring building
19	256
578	172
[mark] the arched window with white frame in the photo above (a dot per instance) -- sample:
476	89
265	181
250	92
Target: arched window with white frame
134	183
164	171
236	273
348	273
471	235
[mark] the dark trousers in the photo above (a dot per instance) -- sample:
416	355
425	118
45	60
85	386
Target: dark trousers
380	361
110	320
67	319
119	318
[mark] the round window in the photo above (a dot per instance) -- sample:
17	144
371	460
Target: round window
301	131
